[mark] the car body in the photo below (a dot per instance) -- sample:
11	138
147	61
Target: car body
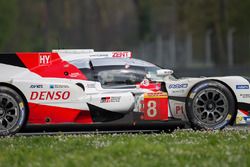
111	90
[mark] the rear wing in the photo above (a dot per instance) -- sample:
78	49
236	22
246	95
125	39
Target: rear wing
71	54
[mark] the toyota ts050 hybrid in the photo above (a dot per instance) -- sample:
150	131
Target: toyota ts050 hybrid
104	90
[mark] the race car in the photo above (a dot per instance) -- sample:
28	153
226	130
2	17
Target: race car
112	90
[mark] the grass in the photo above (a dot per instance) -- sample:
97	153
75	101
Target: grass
180	148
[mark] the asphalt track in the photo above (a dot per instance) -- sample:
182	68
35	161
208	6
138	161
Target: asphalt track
230	128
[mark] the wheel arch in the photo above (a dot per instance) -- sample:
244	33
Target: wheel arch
23	97
228	87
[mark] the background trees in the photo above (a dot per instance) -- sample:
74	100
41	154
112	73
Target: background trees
27	25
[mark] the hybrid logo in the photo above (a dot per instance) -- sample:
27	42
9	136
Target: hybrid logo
242	86
178	86
44	59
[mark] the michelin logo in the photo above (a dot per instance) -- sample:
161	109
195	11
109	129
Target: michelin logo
247	119
178	86
242	86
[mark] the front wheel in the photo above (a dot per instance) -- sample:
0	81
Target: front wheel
12	111
210	105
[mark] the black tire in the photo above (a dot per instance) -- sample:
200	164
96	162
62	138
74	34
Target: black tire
210	105
13	111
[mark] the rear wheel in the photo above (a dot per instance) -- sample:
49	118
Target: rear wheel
12	111
210	105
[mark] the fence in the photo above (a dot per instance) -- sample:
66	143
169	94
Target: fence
190	51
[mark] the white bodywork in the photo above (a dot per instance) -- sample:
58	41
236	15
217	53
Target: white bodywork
28	82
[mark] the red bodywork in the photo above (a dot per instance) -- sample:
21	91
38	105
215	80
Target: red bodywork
50	65
43	114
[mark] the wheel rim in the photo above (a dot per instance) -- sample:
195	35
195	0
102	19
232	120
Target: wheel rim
210	106
9	112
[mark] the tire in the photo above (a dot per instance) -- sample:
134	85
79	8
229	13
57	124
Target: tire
13	111
210	105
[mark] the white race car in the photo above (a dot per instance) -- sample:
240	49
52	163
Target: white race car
112	91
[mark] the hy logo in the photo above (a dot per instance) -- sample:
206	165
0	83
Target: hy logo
44	59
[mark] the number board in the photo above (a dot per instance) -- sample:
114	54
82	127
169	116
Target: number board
155	106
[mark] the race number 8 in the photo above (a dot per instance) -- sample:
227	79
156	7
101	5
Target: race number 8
151	111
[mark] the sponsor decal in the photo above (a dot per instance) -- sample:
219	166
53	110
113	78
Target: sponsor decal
74	75
178	86
156	95
121	54
58	86
44	59
36	86
242	86
245	95
179	109
50	95
239	119
105	100
99	55
178	91
114	99
145	82
247	119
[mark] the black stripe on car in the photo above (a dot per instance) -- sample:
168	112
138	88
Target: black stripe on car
11	59
101	115
176	98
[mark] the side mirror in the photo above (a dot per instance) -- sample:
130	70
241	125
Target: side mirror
164	72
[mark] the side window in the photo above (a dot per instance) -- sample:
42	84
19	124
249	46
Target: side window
118	76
